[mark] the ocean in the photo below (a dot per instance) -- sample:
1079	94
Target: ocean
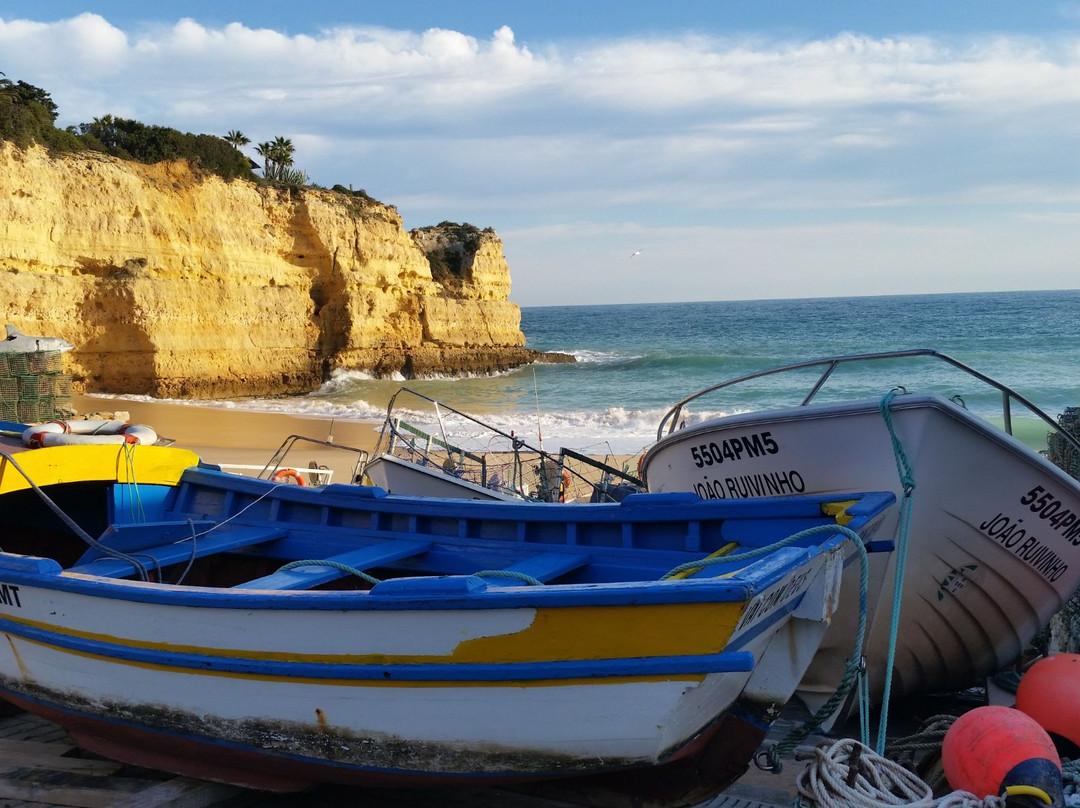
635	361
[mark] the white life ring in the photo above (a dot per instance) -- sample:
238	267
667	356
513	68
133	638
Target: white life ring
71	433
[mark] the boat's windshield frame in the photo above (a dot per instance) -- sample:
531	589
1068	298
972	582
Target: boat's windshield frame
670	422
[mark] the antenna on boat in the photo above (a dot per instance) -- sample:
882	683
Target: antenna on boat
536	393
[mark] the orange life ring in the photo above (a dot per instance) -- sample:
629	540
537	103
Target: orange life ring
281	475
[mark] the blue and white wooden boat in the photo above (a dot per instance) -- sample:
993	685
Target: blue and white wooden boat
427	642
992	527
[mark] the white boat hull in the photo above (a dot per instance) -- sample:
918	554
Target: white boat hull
420	681
405	478
994	527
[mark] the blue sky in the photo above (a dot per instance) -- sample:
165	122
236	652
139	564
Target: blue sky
748	150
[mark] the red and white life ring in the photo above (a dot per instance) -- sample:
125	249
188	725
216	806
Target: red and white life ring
72	433
282	475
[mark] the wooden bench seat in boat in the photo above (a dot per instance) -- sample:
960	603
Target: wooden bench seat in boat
544	567
365	557
126	539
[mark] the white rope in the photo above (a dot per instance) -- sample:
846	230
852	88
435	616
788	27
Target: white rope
848	774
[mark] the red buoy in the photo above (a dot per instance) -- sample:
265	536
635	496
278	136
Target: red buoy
991	751
1050	693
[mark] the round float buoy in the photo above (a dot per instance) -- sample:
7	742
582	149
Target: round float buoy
283	475
1050	693
999	751
74	433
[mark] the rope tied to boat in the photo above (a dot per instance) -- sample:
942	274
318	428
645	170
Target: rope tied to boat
72	525
907	481
519	576
848	774
854	667
322	562
926	745
709	561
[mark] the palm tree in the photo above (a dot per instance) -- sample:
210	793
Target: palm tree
283	151
236	138
277	156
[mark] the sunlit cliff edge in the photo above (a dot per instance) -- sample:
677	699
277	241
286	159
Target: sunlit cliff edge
173	283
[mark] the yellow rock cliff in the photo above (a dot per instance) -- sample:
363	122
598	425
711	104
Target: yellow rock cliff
173	283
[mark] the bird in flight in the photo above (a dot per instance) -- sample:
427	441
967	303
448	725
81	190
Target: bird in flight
636	253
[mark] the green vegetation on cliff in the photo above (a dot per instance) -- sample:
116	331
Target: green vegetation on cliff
28	115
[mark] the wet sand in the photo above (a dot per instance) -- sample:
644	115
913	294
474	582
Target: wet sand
221	435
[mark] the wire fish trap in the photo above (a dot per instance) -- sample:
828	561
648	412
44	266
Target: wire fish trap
35	386
44	362
9	389
17	364
1059	450
60	385
30	411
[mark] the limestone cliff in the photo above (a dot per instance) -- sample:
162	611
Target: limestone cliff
177	284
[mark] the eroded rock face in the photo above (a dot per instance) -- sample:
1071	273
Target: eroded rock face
175	284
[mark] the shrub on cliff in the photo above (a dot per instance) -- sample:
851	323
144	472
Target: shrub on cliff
132	140
449	248
27	115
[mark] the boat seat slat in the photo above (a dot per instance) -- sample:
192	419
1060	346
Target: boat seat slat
544	567
364	557
217	541
133	538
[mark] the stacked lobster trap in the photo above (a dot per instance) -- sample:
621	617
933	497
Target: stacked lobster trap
33	387
1058	448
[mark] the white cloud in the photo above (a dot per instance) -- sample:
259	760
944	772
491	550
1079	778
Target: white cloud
802	155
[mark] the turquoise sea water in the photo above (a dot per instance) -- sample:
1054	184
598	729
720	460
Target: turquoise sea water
635	361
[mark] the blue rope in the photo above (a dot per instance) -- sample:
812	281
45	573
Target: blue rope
907	481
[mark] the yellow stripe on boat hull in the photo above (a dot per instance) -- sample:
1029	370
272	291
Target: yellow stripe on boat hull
125	463
564	633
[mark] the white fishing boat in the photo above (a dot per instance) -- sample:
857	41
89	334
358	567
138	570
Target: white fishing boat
279	636
989	528
429	449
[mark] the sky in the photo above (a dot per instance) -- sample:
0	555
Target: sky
632	152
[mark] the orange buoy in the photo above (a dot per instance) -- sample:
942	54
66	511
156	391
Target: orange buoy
1000	751
284	475
1050	693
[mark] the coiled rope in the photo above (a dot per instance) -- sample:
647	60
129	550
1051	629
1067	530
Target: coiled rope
848	774
1070	778
926	742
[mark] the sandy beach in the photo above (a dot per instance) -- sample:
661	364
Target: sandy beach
229	436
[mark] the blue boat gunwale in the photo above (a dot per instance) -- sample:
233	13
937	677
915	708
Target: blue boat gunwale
640	507
462	591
